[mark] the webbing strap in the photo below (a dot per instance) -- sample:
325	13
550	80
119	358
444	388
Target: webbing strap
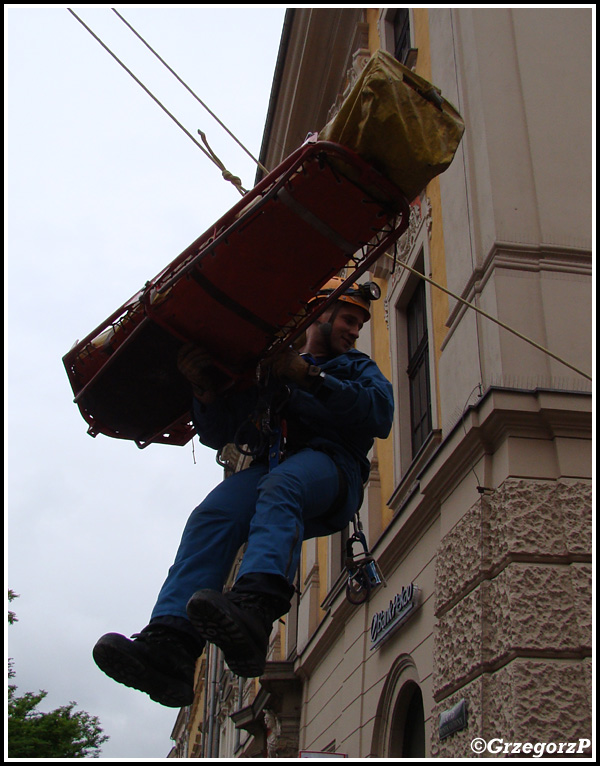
232	305
313	220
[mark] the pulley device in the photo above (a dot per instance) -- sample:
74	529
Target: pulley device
363	572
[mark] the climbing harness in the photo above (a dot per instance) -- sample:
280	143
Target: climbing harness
263	435
363	572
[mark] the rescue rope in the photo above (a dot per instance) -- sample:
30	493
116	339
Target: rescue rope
492	318
198	99
235	180
226	174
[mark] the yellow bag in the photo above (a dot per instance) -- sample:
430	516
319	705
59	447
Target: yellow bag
399	123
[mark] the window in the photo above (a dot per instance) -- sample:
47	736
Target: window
401	34
395	35
410	320
418	368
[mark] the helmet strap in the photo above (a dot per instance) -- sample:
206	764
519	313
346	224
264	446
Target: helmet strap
325	328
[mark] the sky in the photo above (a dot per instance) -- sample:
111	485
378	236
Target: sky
102	190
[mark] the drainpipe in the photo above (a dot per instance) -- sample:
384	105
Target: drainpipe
212	703
205	713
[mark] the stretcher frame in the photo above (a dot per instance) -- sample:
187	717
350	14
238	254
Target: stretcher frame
290	194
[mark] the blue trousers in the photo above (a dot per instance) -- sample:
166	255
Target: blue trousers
272	511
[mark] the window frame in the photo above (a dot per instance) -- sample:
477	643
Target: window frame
414	251
387	32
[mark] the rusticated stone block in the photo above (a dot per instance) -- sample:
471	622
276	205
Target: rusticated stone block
459	561
527	700
458	644
530	608
575	500
581	578
538	700
526	609
523	519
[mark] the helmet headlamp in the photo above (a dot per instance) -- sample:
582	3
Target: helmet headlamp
359	294
369	291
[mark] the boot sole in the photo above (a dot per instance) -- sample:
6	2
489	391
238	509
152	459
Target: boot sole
118	663
209	615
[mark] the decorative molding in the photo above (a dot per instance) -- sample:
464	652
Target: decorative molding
273	727
520	257
420	220
357	61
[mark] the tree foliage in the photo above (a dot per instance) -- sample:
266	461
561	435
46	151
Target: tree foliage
61	733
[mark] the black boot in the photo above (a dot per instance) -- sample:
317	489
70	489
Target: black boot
239	623
159	661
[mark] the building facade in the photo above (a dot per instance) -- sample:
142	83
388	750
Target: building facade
478	509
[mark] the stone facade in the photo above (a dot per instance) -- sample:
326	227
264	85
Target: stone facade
513	607
491	517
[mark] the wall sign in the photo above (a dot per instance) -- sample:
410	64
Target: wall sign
454	719
320	754
389	620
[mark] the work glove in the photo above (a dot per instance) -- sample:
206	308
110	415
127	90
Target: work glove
289	367
197	366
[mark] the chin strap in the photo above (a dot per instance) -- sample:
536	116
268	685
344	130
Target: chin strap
325	328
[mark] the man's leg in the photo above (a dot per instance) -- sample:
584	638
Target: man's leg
214	533
305	486
160	660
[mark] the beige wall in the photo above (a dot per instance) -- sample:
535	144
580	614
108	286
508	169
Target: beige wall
492	520
504	615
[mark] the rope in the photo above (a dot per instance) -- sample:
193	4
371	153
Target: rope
198	99
493	319
211	156
237	183
235	180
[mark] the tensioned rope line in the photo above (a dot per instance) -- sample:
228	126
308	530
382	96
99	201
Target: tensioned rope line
198	99
210	154
236	181
491	318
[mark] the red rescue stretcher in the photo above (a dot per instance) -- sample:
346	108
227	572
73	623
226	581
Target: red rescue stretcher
240	291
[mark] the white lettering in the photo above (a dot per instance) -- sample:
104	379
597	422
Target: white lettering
584	744
398	606
494	748
538	749
527	747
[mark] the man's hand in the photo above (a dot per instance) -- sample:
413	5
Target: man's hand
196	364
288	366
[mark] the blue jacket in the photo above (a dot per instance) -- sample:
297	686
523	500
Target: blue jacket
353	406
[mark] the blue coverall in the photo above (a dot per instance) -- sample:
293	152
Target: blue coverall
315	491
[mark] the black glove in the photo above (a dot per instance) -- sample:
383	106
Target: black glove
197	366
289	366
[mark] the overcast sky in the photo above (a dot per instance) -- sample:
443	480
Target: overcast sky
102	190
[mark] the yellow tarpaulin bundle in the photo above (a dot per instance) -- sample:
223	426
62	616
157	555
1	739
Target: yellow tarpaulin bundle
398	122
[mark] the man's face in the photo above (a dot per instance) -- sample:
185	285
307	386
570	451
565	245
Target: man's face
348	321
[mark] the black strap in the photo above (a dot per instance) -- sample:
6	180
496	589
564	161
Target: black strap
229	303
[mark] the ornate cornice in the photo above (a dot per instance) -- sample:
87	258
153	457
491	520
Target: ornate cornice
420	220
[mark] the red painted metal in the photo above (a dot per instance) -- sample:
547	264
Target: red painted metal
240	290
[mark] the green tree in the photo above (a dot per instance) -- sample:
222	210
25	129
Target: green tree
61	733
